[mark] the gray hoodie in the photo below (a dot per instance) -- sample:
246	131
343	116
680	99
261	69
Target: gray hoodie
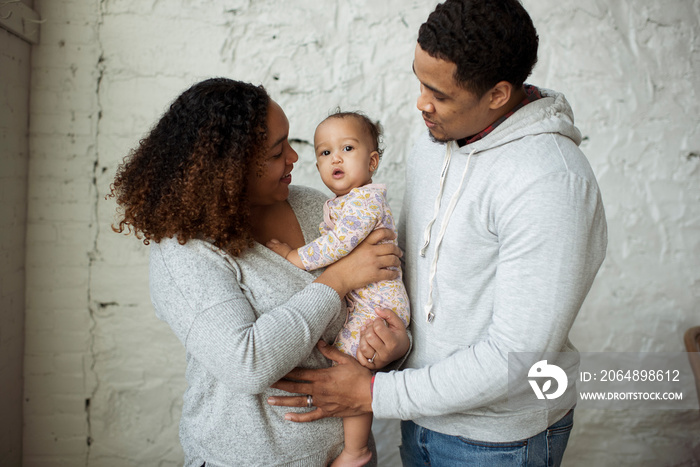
511	249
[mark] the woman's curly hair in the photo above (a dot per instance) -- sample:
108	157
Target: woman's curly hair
488	40
187	177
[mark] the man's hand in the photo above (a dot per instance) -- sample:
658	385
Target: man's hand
339	391
383	341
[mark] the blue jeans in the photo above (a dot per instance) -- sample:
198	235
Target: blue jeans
423	447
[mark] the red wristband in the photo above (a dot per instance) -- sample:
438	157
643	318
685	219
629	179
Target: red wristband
371	387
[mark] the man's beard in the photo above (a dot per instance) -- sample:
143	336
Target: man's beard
435	139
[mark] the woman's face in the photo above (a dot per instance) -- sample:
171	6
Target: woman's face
273	185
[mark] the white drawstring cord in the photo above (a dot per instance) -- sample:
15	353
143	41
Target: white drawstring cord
438	199
429	315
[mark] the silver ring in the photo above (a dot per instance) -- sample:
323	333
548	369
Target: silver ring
309	401
371	360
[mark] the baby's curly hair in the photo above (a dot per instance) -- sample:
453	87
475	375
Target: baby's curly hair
488	40
187	177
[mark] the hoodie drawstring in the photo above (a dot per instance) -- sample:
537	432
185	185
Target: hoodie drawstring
429	315
438	199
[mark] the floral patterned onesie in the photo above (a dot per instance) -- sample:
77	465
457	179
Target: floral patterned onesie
348	219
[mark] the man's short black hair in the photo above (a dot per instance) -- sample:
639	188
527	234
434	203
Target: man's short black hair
489	41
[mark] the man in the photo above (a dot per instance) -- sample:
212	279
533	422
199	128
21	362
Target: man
503	230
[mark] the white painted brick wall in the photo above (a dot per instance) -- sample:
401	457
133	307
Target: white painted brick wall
105	71
61	233
14	156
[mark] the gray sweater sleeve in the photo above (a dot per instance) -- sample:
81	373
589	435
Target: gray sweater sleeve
197	292
248	320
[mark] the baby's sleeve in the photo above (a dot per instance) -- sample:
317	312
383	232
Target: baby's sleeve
358	216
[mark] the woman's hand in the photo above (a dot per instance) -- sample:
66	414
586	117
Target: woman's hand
383	341
369	262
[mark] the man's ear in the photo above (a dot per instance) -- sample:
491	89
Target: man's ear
373	161
499	95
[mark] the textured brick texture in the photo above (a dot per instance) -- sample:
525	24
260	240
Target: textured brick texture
14	156
103	378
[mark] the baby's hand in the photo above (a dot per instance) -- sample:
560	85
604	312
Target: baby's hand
278	247
285	251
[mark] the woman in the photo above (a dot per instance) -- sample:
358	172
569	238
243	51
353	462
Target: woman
209	186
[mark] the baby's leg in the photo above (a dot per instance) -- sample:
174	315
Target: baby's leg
356	453
357	429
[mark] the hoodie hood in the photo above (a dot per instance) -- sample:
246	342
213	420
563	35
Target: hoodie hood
549	114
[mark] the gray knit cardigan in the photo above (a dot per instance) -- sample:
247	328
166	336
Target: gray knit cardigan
245	322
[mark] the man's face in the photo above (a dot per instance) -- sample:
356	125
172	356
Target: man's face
450	111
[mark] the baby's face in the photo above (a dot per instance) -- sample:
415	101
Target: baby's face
345	154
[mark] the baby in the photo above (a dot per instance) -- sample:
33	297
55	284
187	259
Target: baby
347	154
